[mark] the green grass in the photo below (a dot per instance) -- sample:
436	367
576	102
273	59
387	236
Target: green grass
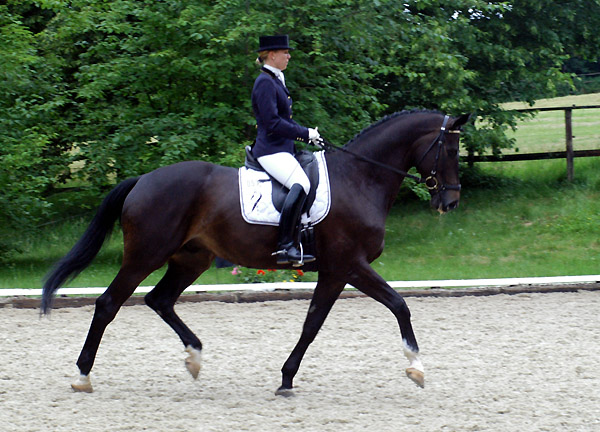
529	227
39	250
515	219
546	131
518	219
578	100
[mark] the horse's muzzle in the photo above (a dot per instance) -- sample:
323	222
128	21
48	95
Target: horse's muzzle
445	201
450	206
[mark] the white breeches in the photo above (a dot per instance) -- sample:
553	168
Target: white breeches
285	169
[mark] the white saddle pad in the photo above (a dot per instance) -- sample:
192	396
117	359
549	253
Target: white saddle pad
257	204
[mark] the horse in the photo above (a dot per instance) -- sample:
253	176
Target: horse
186	214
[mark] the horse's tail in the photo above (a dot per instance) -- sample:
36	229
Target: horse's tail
85	250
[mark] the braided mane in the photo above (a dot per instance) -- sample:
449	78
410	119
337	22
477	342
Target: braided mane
388	118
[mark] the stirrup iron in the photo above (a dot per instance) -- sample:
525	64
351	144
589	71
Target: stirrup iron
301	262
283	256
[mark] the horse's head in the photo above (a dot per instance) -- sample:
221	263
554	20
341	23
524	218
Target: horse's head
437	162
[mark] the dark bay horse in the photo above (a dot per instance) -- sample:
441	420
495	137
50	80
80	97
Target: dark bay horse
186	214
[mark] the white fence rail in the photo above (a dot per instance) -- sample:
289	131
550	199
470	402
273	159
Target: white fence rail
452	283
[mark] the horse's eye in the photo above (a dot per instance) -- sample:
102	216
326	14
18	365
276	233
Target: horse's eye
452	152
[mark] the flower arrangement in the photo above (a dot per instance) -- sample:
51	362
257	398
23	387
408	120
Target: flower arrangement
270	275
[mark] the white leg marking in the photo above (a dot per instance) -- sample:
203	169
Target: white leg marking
413	358
82	384
415	370
193	361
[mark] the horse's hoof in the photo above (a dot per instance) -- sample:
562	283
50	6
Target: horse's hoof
417	376
285	392
192	363
82	384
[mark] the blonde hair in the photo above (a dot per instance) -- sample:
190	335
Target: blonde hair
262	56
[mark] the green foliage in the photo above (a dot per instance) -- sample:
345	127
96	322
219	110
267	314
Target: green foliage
95	91
24	170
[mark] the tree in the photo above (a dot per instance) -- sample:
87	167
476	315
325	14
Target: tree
25	107
95	91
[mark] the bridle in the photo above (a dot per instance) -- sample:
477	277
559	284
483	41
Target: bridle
431	182
440	140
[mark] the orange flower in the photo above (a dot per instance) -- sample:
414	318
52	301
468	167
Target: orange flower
260	272
300	272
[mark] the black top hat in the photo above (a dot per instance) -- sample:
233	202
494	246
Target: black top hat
270	43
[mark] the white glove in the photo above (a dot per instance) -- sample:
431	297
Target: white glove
314	137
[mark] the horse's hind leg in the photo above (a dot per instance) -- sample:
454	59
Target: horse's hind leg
107	306
364	278
183	270
326	293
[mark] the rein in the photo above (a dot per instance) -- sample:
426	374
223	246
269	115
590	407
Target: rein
430	181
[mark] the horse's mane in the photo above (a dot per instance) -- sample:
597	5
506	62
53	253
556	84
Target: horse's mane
388	118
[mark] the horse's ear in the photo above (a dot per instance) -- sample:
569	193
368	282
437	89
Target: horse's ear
460	121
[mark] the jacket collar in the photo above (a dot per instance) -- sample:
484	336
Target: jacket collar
272	74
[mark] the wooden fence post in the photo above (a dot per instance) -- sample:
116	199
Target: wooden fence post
569	154
569	141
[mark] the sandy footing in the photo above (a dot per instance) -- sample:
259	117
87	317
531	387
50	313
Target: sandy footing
527	362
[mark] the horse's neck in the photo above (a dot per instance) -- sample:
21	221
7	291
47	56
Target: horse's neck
386	151
377	180
390	146
390	142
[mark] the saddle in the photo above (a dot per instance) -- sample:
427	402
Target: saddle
307	161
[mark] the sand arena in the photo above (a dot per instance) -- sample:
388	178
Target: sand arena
526	362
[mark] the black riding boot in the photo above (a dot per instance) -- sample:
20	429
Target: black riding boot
287	250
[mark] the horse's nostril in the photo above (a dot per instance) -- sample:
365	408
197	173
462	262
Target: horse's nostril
453	205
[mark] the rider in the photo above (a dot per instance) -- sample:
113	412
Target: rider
274	148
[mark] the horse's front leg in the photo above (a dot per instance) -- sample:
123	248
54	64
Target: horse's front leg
364	278
326	293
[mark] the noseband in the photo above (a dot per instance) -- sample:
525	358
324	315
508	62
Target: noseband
431	182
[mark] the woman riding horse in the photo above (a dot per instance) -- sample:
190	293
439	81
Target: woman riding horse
274	147
186	214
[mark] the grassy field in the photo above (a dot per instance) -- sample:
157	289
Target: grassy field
546	131
516	219
531	226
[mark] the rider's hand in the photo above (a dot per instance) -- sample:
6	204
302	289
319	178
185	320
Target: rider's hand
314	137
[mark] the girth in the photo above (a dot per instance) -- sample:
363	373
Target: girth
307	161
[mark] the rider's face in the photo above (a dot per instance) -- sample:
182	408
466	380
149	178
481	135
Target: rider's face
280	59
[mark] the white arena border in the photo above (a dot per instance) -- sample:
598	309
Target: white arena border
452	283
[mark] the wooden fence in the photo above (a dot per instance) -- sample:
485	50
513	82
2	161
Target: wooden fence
569	154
